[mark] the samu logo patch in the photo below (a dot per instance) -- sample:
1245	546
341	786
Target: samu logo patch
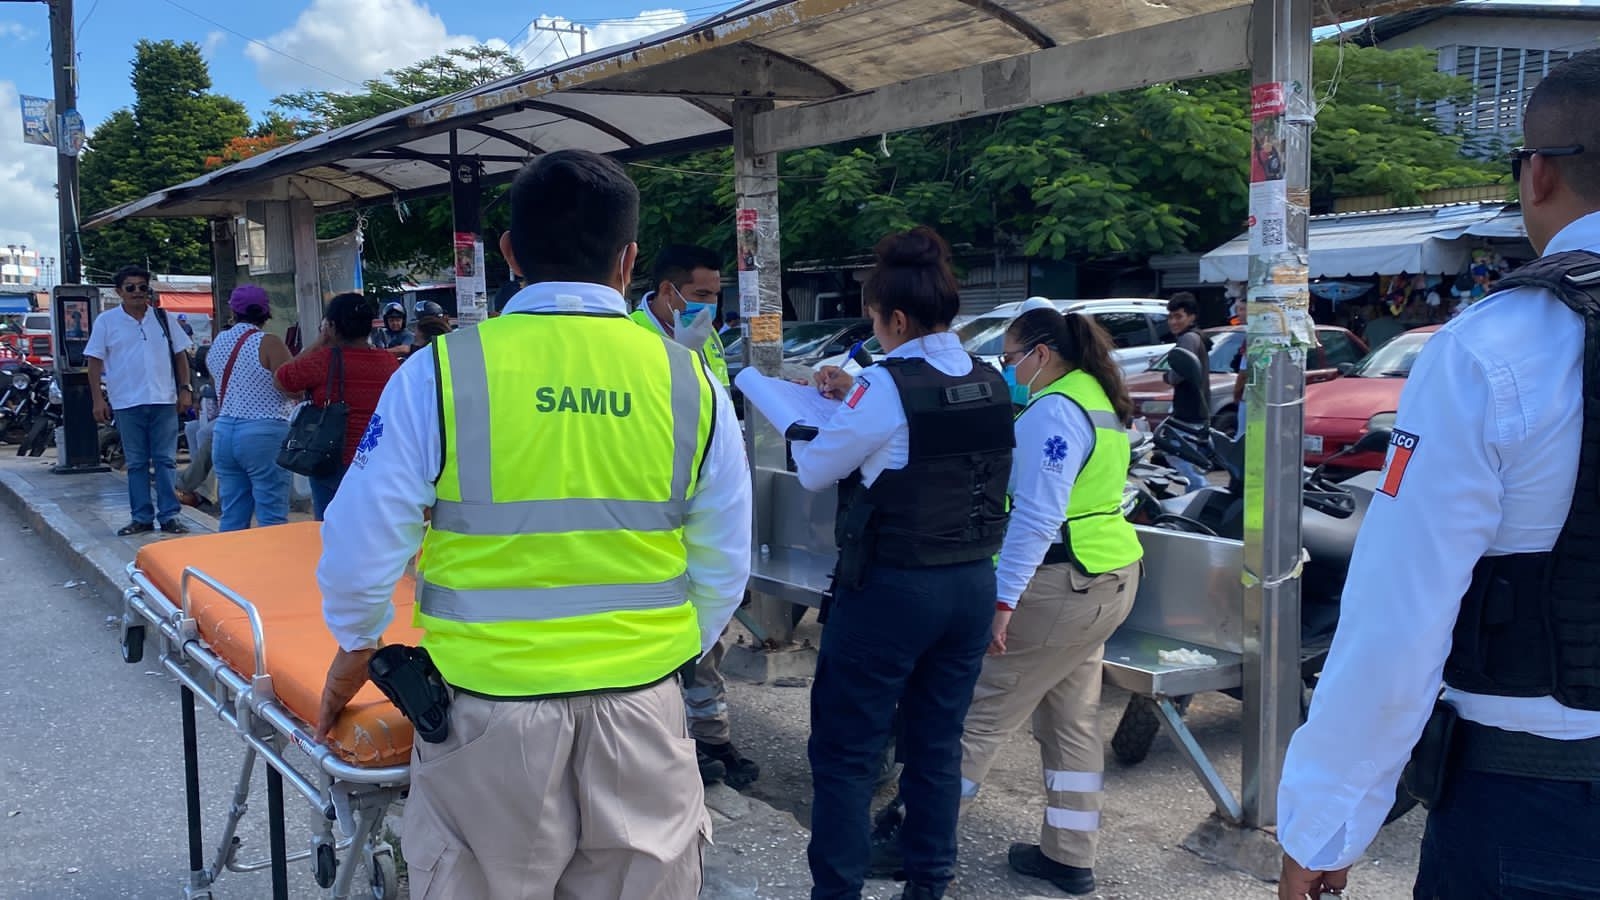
1055	453
369	441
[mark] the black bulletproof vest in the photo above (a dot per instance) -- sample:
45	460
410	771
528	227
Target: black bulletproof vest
1530	622
948	505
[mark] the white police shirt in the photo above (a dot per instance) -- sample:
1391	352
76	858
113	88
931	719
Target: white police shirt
1484	464
869	430
375	524
1054	440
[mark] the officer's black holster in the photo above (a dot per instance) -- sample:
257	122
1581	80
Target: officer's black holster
1428	772
408	677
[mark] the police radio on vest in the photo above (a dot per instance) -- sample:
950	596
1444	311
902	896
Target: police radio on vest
594	401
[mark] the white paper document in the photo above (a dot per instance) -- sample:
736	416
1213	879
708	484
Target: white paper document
785	403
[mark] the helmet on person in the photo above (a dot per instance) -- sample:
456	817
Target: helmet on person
1033	303
428	308
394	310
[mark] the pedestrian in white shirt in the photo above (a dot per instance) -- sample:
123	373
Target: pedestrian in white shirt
144	361
589	537
1474	569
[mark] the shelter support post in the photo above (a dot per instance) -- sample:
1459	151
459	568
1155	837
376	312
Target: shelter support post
466	205
761	313
307	268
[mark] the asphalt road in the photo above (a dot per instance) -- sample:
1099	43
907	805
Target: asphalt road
91	753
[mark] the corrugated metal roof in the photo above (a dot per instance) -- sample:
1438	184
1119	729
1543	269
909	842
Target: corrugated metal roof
673	91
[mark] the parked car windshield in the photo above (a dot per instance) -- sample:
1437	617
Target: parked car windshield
985	335
1395	358
1224	347
799	338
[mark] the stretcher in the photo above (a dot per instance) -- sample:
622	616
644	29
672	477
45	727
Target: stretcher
238	620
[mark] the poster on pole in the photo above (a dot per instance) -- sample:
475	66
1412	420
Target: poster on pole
73	133
749	246
38	121
471	303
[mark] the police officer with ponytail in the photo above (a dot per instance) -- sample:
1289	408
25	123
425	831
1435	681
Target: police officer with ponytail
921	451
1067	575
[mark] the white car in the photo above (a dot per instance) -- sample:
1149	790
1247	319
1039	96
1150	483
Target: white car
1135	324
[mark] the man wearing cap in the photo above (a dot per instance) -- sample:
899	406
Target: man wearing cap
145	364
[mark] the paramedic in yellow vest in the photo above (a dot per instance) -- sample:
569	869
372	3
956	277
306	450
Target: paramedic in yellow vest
589	536
688	283
1067	574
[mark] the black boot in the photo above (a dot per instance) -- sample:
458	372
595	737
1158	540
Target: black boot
738	772
711	770
916	891
887	861
1029	860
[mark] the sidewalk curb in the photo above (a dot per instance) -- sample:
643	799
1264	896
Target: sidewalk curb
86	556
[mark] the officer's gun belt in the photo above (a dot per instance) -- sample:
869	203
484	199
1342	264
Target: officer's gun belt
1484	748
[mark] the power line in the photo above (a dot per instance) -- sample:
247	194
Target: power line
87	16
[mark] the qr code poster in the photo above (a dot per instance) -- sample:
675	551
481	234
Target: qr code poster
1268	219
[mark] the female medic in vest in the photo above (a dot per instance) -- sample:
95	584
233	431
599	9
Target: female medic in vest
921	451
1067	574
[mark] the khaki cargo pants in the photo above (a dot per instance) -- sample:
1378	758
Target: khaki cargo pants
583	798
1051	672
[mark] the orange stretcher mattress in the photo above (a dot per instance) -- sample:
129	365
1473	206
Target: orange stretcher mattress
275	569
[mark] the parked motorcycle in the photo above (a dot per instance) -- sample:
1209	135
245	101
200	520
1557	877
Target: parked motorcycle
1330	520
24	408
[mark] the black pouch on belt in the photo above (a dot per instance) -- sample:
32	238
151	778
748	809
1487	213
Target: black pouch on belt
1427	774
408	677
855	546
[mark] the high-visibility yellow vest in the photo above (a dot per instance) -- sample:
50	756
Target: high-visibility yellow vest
555	561
712	349
1095	532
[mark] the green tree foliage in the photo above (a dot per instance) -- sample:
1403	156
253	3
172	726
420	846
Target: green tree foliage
416	236
1154	170
163	140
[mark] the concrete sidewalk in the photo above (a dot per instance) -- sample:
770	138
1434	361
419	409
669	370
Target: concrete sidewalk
759	851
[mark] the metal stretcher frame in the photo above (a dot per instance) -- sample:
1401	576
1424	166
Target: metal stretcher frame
355	797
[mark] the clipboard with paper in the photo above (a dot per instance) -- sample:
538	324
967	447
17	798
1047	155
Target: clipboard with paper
784	403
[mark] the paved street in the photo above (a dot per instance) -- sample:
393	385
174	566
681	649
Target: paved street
91	801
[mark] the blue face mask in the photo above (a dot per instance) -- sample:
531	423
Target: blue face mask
690	310
1019	392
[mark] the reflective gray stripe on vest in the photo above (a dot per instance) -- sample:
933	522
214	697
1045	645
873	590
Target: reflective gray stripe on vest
544	604
477	513
558	516
1102	419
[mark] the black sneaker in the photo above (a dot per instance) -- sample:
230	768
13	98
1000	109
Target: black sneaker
174	526
136	528
1029	860
916	891
712	771
886	860
739	773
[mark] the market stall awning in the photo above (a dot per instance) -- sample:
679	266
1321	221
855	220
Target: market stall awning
187	302
833	69
1418	240
13	304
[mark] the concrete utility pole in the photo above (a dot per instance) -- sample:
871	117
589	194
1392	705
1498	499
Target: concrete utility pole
64	63
559	30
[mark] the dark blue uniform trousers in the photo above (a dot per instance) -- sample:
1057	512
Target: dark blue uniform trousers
912	638
1509	838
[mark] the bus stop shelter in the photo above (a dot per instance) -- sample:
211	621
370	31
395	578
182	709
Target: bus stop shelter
777	75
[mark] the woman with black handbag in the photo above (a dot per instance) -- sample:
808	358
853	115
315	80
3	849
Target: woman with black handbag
339	370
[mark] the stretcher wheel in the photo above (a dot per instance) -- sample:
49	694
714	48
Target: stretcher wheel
385	876
327	866
132	644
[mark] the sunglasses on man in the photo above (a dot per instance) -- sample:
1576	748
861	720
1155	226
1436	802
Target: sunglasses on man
139	288
1523	154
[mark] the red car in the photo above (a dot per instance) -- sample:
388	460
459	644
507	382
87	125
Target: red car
1152	396
1339	412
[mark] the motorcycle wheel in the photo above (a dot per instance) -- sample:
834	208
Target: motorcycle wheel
38	438
111	451
1137	730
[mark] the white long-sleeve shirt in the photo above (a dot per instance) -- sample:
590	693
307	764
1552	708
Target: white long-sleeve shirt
375	523
1493	406
1054	440
869	430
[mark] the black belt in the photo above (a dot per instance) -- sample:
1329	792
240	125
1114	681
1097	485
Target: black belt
1484	748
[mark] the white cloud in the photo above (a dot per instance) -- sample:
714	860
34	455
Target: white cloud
348	41
542	48
214	41
15	30
29	173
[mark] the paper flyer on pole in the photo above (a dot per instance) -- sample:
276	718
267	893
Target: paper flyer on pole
785	403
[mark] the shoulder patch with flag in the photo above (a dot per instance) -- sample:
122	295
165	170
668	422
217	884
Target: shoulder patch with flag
1401	446
856	393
